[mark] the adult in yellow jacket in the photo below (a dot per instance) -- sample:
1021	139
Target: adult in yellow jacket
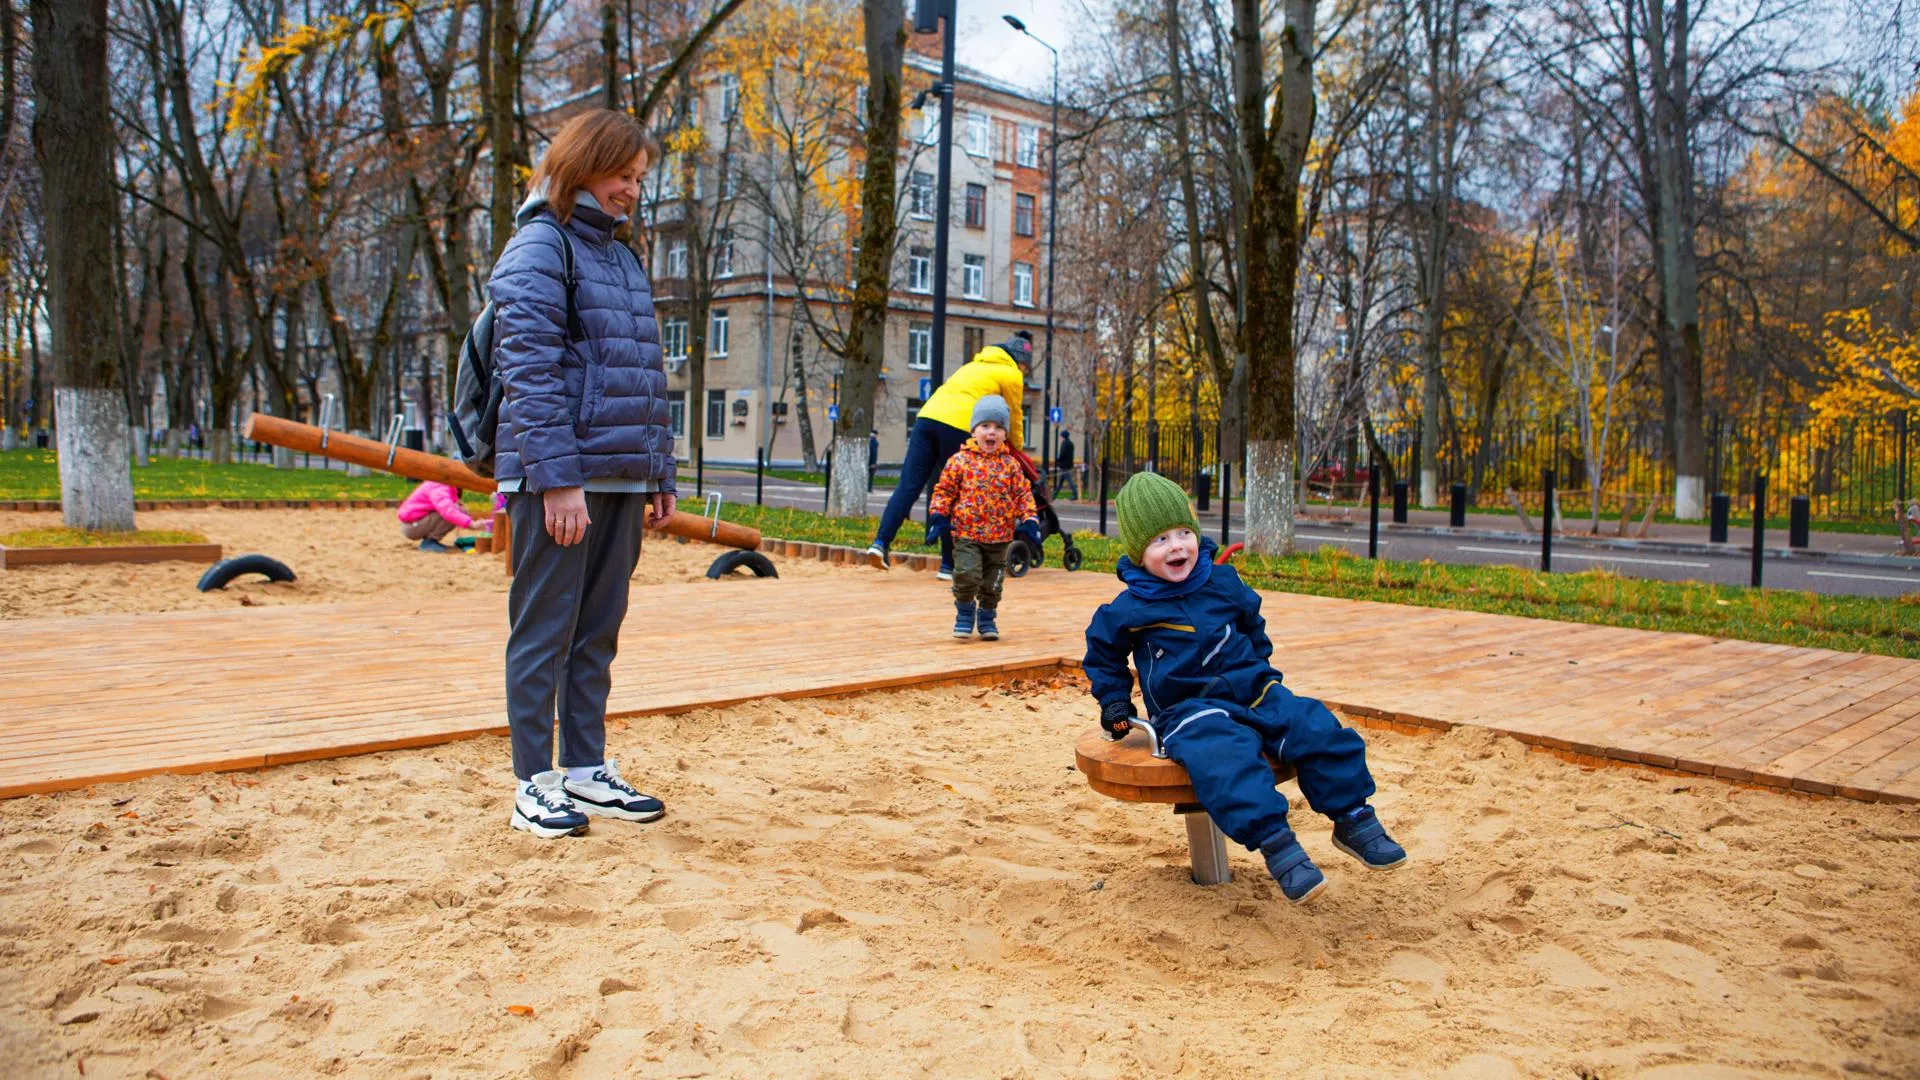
942	428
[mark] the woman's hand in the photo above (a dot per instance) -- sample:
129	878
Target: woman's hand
662	504
567	519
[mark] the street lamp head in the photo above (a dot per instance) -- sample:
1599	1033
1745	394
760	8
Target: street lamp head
1015	23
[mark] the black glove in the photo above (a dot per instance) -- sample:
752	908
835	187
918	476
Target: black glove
1116	719
1028	532
937	526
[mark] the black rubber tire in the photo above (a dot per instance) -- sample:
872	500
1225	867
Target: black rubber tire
1019	559
220	573
1071	559
734	560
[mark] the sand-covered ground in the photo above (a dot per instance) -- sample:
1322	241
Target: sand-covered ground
919	884
336	555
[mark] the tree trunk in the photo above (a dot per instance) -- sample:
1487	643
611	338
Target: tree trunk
73	143
1275	151
809	456
1679	261
509	155
865	357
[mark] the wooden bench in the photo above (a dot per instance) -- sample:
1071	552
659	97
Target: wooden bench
1133	770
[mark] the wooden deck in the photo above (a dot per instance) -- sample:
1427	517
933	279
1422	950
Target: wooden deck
96	699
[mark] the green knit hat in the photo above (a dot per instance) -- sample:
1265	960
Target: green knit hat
1150	504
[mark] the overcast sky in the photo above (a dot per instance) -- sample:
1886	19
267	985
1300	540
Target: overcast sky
987	43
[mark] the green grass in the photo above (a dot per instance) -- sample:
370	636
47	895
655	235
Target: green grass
1782	616
32	474
805	477
63	537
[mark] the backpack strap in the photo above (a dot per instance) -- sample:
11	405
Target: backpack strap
576	330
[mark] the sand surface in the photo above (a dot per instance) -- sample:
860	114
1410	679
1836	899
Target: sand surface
919	884
336	554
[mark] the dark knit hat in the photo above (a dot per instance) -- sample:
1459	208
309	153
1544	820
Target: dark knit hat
991	407
1020	347
1150	504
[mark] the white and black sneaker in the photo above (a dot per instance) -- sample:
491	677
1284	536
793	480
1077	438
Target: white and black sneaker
878	557
541	807
606	794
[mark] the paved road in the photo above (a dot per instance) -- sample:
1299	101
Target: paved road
1569	553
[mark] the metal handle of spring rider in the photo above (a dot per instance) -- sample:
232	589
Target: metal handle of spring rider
712	511
393	436
1153	736
326	418
1206	845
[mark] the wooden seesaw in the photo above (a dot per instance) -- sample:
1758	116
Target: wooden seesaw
418	465
1136	769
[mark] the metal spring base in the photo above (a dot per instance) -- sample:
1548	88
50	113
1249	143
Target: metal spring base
1206	847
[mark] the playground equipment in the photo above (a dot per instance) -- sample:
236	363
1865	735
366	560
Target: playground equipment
219	574
1136	769
391	457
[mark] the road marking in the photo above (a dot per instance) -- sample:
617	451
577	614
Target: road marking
1337	539
1864	577
1592	558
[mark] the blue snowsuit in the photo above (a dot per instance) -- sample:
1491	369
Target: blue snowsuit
1202	651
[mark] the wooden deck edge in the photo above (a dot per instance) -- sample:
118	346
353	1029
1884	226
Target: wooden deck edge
11	558
73	783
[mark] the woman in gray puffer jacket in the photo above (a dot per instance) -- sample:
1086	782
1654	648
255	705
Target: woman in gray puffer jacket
585	450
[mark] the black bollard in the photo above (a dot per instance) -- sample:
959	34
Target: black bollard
1458	517
1226	502
1103	497
412	438
1546	524
699	473
1759	525
759	476
826	488
1399	502
1373	512
1200	484
1798	523
1717	517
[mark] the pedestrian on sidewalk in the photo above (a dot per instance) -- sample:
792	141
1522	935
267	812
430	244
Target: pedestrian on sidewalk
981	502
1063	463
585	454
944	425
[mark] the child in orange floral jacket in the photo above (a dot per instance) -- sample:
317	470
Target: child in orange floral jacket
983	499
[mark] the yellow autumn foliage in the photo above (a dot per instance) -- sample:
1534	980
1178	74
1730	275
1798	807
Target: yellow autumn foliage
247	99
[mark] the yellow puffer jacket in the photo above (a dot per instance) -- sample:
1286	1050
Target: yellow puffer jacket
991	371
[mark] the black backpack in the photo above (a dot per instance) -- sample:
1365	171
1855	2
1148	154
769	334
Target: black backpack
474	413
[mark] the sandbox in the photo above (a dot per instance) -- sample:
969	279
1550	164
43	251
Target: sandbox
920	883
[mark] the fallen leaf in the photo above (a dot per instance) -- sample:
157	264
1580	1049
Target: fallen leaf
113	959
131	814
520	1010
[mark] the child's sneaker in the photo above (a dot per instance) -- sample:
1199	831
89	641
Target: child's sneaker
541	807
1360	834
1290	865
435	546
963	619
988	631
606	794
878	557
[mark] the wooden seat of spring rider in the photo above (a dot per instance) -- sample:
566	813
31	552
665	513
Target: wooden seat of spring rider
1133	770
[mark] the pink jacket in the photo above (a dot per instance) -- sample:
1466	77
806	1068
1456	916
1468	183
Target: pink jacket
433	498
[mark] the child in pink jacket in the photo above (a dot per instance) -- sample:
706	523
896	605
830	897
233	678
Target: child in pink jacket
431	512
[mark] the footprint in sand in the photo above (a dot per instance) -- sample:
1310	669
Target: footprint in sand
1565	968
1417	971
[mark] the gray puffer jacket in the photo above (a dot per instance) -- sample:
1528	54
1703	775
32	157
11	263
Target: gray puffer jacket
595	410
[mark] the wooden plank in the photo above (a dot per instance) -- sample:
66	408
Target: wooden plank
14	558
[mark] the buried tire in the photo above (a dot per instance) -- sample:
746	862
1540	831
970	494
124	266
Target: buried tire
734	560
220	573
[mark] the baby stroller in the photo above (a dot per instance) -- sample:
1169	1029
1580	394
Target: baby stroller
1020	558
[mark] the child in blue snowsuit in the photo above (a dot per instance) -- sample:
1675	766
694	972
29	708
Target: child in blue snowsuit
1197	639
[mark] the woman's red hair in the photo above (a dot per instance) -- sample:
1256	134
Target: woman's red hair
597	143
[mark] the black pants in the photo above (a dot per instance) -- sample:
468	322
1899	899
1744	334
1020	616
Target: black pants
979	570
929	445
565	610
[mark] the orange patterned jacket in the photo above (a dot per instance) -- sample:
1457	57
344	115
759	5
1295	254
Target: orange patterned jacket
984	495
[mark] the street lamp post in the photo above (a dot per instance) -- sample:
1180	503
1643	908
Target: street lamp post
1053	218
927	17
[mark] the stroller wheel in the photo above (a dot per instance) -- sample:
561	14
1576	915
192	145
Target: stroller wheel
1019	559
1071	559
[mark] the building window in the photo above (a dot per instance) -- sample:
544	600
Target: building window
913	411
919	270
729	95
973	277
1029	146
976	206
972	340
716	414
673	339
723	253
979	131
677	412
1023	215
920	346
717	333
860	106
920	195
930	122
1023	284
676	260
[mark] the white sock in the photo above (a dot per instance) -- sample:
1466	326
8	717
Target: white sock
578	773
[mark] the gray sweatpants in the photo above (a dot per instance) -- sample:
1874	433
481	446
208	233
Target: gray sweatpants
565	609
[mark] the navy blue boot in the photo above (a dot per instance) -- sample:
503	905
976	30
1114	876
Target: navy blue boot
988	631
1290	865
1360	834
963	618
